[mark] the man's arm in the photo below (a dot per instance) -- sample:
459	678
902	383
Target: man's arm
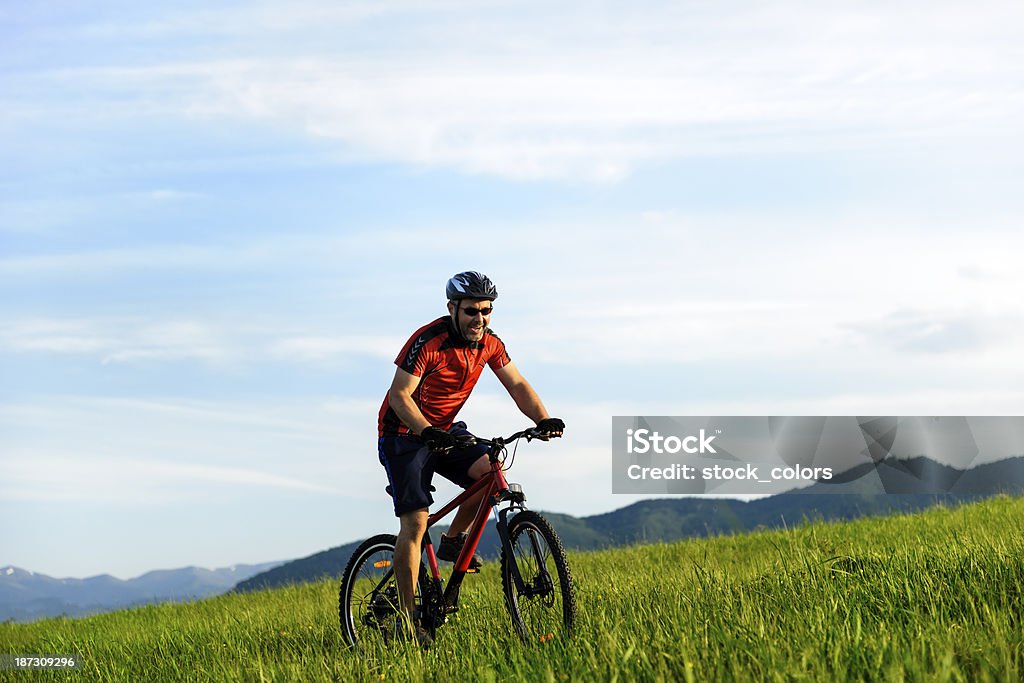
522	393
400	399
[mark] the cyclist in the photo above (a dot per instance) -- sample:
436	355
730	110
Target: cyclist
417	433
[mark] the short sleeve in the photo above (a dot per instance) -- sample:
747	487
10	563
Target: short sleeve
414	357
421	350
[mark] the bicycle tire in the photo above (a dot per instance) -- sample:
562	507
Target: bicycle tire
367	608
547	609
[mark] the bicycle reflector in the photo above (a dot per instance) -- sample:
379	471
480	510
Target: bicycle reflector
380	564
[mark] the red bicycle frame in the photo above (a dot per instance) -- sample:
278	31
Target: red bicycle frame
493	483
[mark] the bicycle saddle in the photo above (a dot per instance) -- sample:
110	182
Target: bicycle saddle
387	490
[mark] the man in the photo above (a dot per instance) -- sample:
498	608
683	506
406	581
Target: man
418	436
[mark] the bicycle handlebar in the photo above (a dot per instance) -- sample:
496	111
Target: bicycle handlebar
529	434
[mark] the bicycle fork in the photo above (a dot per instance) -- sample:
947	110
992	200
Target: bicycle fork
541	584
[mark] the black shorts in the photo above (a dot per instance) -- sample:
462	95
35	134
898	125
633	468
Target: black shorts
411	467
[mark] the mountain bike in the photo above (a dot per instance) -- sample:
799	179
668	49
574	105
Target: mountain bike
535	576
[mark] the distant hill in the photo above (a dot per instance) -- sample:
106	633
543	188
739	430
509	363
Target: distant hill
25	595
665	519
921	474
671	519
324	563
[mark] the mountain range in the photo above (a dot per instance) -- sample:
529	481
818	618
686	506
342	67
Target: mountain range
648	521
855	494
25	595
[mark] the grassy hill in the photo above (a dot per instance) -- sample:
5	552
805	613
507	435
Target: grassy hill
935	595
648	521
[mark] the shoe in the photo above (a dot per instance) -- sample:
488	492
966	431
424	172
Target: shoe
419	635
450	548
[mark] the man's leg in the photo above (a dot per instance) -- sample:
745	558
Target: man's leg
467	511
408	464
407	556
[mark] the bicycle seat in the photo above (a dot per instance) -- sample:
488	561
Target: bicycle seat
387	490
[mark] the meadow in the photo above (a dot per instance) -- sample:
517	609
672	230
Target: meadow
933	596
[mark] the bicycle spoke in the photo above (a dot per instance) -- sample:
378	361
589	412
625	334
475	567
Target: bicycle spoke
368	602
544	607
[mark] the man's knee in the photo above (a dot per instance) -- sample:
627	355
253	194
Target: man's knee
479	468
413	524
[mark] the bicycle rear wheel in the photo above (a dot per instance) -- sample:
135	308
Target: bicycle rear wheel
368	599
545	607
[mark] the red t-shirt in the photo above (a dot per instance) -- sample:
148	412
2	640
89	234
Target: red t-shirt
448	368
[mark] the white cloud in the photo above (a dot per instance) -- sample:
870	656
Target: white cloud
578	92
119	340
276	253
690	288
209	341
326	348
102	261
42	216
113	450
36	216
248	19
79	477
167	194
774	291
523	118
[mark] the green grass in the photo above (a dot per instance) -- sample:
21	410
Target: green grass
932	596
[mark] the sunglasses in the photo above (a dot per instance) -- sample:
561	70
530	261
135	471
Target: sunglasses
472	312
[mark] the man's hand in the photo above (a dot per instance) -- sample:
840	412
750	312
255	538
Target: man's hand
438	439
551	426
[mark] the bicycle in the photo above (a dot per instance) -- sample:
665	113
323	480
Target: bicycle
535	574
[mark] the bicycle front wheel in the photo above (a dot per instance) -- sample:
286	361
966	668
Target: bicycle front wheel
543	607
368	600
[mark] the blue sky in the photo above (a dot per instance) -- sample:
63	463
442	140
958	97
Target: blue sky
220	221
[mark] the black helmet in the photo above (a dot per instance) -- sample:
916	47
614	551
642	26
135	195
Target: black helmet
470	285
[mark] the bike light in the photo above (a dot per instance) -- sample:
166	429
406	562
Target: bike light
517	488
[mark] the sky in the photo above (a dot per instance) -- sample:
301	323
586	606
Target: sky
220	221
